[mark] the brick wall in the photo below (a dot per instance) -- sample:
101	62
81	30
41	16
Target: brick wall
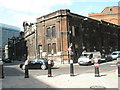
56	31
109	14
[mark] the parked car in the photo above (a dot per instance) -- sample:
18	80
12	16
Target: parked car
1	62
115	54
37	63
89	57
103	58
6	60
109	57
118	59
106	58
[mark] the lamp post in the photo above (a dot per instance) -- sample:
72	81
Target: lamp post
49	62
71	60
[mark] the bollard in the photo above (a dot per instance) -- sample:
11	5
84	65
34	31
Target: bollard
71	68
118	64
2	72
49	69
26	72
118	71
96	64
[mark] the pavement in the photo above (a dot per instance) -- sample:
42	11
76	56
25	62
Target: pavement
106	81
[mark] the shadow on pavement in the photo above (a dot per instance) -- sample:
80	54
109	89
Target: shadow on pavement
13	63
10	71
15	82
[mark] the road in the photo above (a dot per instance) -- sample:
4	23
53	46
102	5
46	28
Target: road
12	69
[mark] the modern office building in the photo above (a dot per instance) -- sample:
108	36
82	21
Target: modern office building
6	32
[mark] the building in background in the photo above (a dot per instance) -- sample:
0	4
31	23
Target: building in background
62	35
30	38
17	48
109	14
7	31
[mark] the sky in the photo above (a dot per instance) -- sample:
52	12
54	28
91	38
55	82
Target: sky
15	12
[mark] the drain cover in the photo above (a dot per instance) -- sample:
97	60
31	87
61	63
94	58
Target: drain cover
96	87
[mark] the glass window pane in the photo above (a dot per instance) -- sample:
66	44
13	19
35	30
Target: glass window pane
53	31
48	32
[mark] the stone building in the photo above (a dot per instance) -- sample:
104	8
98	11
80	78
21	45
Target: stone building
109	14
30	39
17	49
62	34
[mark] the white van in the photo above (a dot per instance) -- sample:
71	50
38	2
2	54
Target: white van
89	57
115	54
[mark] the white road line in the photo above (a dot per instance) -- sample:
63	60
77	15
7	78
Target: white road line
113	65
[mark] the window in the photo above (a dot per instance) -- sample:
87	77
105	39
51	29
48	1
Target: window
40	48
110	9
53	31
54	47
48	32
49	48
77	32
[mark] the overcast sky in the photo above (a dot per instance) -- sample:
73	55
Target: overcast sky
14	12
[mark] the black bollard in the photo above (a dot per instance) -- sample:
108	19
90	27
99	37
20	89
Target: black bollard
118	64
26	72
96	69
118	71
71	68
49	69
2	72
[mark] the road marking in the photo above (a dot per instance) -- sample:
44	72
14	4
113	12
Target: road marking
112	65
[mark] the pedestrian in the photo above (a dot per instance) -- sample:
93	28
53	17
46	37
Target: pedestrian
26	62
26	69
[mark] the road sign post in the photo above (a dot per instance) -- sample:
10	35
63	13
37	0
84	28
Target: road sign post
71	60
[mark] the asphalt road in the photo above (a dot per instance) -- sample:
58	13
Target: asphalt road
12	69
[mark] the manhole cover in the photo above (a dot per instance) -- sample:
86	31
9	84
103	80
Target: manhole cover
96	87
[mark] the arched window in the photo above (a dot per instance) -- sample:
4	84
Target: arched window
53	31
48	32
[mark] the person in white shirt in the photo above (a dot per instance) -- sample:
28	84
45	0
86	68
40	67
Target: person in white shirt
26	63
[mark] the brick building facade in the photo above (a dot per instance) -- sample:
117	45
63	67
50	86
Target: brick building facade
59	30
109	14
